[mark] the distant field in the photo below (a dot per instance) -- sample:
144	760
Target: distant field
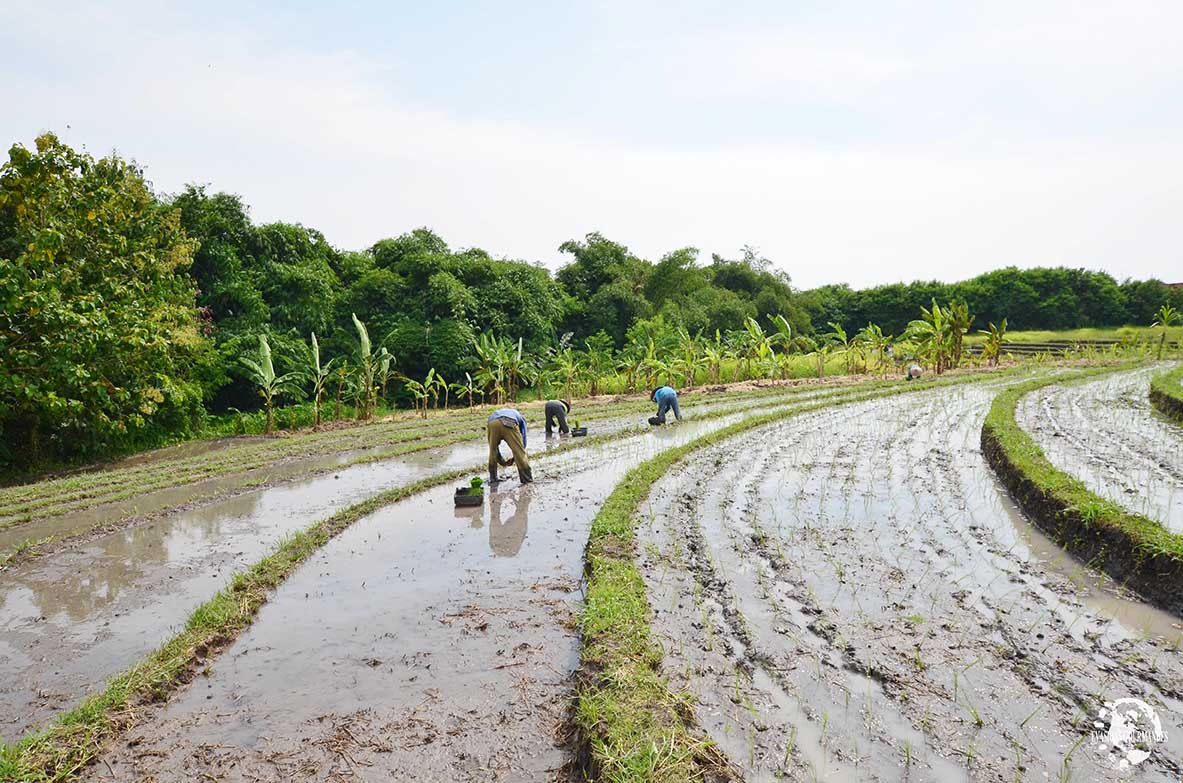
1100	333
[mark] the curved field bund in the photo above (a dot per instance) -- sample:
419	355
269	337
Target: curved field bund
1132	549
1166	394
849	595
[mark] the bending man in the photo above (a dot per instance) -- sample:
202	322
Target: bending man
556	411
666	399
508	426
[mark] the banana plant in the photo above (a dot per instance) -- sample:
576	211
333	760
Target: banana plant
873	339
931	333
839	343
753	344
598	362
367	368
318	374
822	351
385	359
715	353
689	359
960	322
565	366
995	335
271	385
441	386
1165	318
468	389
419	392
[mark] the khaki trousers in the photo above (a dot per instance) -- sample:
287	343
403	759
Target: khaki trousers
506	430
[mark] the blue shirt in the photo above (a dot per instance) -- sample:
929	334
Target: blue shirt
510	413
665	393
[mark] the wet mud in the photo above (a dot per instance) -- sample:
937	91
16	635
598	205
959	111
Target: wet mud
73	620
852	597
423	643
1106	433
57	514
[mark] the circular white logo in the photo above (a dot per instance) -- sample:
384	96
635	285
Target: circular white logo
1126	730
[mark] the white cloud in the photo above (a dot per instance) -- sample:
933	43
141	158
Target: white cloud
325	141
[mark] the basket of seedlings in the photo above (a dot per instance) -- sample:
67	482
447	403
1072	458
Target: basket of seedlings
576	430
473	494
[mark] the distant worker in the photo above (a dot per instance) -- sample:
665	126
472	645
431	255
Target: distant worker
556	411
508	426
666	399
914	372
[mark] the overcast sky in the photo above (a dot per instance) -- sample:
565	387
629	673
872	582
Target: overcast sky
859	142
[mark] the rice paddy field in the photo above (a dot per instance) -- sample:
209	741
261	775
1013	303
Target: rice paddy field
972	577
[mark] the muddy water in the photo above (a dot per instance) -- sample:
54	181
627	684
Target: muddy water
423	643
74	619
851	597
74	523
1106	433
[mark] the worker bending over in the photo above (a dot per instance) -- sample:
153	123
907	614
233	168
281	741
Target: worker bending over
666	399
556	411
508	426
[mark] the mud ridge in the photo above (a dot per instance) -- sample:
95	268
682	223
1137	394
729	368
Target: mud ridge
1156	576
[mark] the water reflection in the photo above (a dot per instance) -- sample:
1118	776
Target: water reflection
506	533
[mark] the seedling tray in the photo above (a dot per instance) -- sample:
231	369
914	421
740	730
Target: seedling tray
464	497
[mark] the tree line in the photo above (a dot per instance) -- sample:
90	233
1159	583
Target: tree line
128	315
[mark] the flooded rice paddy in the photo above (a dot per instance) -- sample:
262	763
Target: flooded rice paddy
425	642
851	597
74	619
1106	433
848	593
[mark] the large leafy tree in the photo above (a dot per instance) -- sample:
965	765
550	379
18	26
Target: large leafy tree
99	335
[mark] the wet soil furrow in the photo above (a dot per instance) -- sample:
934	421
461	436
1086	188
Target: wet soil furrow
878	565
1106	433
449	632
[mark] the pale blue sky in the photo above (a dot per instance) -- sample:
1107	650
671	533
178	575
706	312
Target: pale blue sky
854	142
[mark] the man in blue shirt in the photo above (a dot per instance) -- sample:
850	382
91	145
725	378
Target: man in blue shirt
666	399
508	426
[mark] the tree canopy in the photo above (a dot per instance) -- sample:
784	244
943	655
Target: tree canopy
125	315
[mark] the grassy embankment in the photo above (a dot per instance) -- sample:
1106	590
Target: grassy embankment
630	725
1141	334
1166	393
61	751
1130	548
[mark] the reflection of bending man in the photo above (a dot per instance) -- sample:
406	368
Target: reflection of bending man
505	539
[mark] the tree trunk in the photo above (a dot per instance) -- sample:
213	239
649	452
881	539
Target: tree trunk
270	421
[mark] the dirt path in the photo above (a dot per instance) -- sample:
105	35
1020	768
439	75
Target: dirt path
851	597
1106	433
422	643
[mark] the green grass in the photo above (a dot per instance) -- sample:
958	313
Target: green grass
1166	393
1132	546
1140	333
